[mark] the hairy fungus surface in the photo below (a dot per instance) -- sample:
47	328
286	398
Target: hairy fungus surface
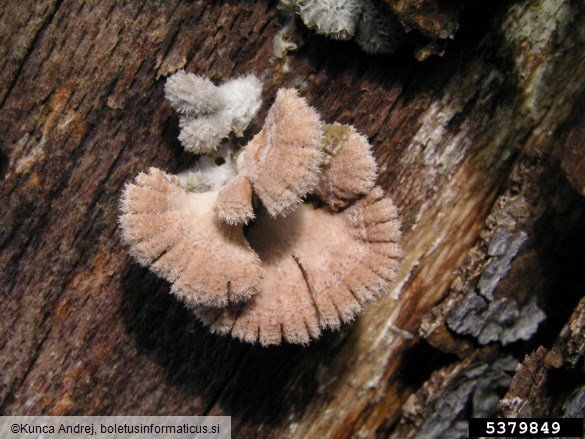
177	235
320	267
300	267
372	28
351	168
210	113
234	201
337	19
282	162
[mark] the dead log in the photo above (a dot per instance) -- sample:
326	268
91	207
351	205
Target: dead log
481	149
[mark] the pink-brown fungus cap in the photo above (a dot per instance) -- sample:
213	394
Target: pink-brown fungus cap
178	236
320	268
350	170
283	160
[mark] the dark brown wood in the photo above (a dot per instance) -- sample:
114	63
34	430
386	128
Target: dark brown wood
482	146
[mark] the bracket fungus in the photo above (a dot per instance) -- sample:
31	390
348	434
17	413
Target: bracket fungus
210	113
297	267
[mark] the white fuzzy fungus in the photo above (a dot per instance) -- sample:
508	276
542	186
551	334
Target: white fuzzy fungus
209	113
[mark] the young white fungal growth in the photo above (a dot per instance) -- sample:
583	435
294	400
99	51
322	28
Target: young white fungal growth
375	31
178	236
335	18
211	171
210	113
320	268
351	168
193	95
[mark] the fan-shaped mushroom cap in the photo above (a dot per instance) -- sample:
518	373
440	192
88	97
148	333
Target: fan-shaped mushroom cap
351	170
283	160
320	268
178	236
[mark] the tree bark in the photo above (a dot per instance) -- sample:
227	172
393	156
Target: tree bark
481	149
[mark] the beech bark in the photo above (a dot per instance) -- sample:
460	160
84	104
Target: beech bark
481	149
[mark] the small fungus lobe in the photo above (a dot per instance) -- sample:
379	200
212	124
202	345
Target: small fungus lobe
283	160
234	201
351	169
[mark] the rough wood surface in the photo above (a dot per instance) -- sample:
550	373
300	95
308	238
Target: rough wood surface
482	151
549	382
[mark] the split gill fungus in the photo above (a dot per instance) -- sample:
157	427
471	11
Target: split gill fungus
294	241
